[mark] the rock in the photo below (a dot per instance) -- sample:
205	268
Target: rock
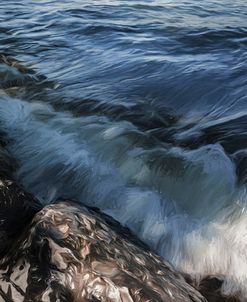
211	288
17	207
74	253
18	80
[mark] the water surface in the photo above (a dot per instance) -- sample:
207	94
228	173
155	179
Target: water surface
142	113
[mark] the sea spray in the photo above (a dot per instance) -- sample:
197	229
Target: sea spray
184	204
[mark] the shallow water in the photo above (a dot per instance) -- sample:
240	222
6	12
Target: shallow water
143	114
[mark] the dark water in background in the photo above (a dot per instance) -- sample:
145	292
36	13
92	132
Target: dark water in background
143	115
188	55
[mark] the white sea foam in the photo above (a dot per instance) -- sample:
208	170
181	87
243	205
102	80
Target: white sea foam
184	204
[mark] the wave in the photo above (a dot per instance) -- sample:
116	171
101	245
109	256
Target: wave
184	203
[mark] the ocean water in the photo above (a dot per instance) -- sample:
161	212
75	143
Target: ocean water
138	108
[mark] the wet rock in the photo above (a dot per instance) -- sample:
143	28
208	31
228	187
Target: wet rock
17	207
19	80
73	253
211	287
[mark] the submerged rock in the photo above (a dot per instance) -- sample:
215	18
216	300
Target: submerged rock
19	80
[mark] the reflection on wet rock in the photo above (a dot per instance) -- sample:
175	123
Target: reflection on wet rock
74	253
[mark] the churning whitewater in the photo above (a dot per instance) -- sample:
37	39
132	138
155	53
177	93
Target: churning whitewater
184	204
137	108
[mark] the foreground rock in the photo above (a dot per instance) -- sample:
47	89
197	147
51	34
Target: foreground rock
72	253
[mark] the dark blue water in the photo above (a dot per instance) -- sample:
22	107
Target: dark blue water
188	55
139	108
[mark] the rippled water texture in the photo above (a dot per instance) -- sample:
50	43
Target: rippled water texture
139	108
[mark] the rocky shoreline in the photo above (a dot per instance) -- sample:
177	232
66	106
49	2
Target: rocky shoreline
69	252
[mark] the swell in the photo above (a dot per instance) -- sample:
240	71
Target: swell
164	126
